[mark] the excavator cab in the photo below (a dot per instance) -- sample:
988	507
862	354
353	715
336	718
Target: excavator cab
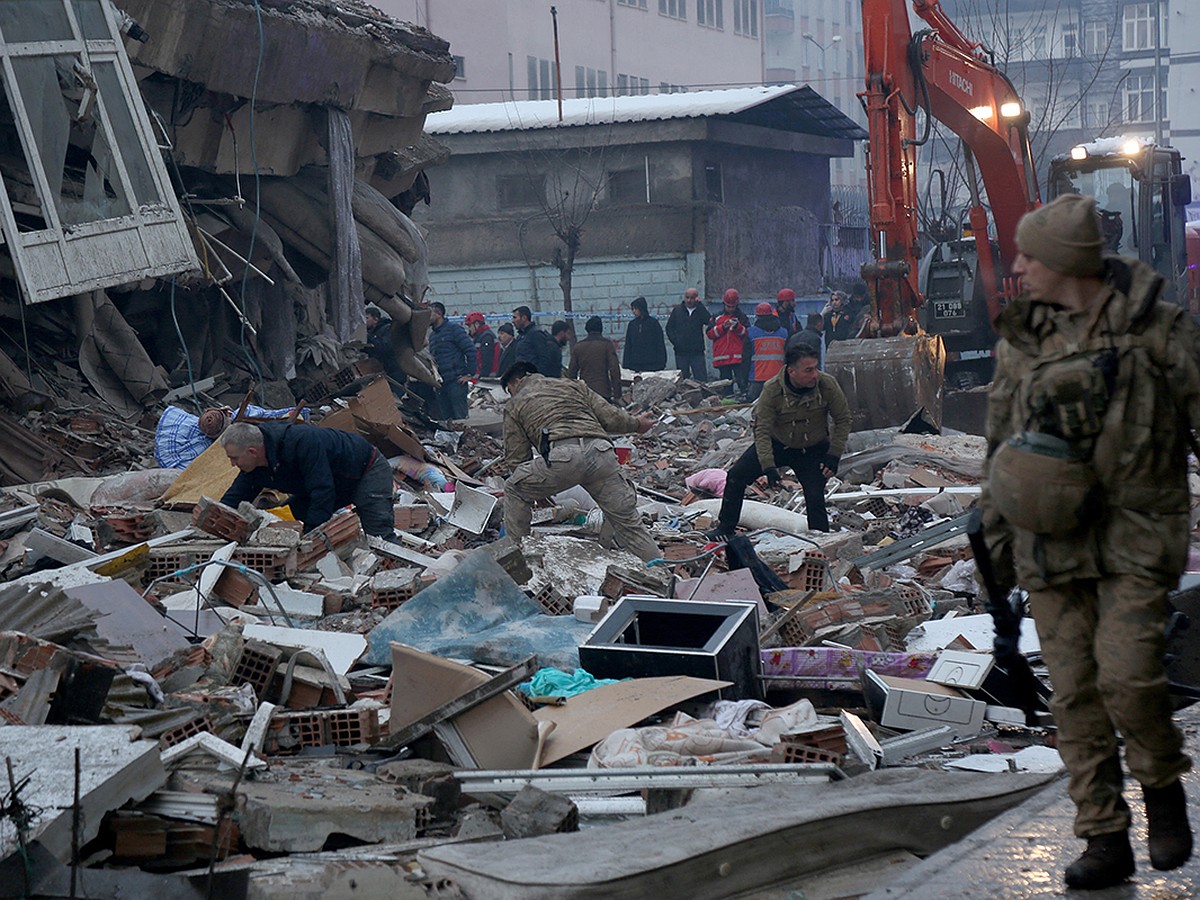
1142	196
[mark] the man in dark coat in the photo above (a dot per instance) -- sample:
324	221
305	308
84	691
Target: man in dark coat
486	348
380	347
535	346
645	348
594	359
506	339
812	336
323	469
686	327
456	359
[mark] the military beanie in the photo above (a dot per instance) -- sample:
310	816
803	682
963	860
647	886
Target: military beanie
1064	236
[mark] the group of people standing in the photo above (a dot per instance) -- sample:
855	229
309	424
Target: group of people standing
748	352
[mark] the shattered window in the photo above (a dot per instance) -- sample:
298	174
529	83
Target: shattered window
87	199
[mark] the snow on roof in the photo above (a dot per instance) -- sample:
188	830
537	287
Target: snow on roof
521	115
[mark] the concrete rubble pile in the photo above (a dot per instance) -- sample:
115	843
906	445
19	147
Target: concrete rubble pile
350	702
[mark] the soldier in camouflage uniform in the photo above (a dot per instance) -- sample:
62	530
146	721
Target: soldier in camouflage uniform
569	423
1086	503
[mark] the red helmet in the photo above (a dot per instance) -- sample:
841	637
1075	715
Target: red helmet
764	309
474	318
731	297
785	294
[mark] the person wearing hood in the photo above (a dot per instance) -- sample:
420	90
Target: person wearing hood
728	334
1085	506
770	339
645	346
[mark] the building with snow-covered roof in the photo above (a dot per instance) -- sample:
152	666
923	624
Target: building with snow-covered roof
639	196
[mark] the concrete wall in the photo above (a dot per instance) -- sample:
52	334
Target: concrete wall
496	37
602	287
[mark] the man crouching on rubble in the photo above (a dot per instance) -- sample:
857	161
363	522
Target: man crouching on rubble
1086	507
791	428
569	423
323	469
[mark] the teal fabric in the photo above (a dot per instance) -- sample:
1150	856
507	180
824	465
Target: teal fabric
550	682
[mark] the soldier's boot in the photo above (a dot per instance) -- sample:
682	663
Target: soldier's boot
1170	833
1107	861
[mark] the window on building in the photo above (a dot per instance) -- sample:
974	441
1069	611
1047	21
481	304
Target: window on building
1035	43
520	191
665	87
636	4
86	202
632	86
590	82
676	9
1095	38
460	67
1070	40
745	17
1096	115
541	78
714	183
1139	98
711	13
627	186
1138	22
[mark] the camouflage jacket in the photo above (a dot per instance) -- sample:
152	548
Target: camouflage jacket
570	409
1121	383
800	419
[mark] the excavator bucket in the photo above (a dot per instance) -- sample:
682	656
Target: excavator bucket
886	380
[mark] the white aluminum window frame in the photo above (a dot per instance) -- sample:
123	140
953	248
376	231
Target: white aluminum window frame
149	241
745	18
1137	26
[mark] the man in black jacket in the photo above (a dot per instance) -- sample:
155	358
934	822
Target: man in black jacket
535	346
506	338
645	349
323	469
685	329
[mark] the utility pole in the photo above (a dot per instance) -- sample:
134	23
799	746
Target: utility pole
557	64
1158	110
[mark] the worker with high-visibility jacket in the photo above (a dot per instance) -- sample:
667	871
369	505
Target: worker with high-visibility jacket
769	338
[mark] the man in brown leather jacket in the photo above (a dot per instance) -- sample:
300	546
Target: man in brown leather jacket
594	359
1086	505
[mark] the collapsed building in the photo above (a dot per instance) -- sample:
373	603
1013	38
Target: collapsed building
223	200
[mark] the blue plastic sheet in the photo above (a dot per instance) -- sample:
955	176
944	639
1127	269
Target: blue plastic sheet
478	612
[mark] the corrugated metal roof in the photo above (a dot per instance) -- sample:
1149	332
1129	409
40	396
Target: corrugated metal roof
787	107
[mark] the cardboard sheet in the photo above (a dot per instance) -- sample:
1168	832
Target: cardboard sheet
208	475
500	733
590	717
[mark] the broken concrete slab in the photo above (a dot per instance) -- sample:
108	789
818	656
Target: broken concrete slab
685	855
299	806
113	771
124	619
342	650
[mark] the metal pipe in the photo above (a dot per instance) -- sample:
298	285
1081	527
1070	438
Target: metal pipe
557	63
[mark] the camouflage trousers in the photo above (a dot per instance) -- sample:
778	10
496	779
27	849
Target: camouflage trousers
1103	642
591	464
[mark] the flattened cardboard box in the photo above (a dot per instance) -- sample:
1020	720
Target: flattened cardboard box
909	705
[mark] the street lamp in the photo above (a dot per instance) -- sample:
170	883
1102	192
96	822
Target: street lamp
836	39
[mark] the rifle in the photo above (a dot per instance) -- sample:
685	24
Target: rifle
1007	624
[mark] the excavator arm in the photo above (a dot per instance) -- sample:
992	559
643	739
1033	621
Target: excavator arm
952	79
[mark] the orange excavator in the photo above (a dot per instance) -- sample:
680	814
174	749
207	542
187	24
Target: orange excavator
934	307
